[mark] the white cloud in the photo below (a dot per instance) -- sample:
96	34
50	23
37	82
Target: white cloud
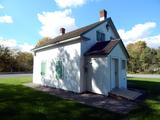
25	47
152	41
6	19
53	21
137	31
140	32
70	3
8	42
11	43
1	6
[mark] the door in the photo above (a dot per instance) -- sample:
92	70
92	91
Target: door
115	73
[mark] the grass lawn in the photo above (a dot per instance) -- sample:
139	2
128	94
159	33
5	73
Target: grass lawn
18	102
150	108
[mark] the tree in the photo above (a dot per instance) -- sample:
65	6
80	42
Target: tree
7	60
143	58
134	51
25	61
158	57
13	60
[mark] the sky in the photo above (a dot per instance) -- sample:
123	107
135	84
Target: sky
24	22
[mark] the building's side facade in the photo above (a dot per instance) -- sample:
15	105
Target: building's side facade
58	66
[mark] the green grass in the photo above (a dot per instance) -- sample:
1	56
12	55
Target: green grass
15	80
18	102
149	109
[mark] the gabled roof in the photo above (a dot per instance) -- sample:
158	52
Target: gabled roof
104	47
72	34
77	32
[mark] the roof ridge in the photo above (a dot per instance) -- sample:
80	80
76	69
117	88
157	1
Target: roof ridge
79	28
73	33
83	27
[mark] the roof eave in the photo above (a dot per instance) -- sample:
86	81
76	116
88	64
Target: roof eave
125	49
57	43
103	51
113	27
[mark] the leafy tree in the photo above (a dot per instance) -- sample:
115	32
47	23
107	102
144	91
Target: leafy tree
143	58
25	61
7	60
13	60
135	50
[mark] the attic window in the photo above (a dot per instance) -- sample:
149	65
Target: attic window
100	36
111	38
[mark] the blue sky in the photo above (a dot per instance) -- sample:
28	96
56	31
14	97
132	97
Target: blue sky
24	22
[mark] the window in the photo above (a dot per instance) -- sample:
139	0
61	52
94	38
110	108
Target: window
123	64
111	38
100	36
43	68
59	69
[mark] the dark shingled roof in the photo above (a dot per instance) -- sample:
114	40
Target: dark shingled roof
72	34
102	48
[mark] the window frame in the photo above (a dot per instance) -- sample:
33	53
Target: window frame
123	64
61	74
100	36
43	67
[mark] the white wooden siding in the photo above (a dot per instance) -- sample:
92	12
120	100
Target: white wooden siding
99	77
118	53
70	57
86	44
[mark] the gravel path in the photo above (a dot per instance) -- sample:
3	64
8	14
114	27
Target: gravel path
144	75
13	75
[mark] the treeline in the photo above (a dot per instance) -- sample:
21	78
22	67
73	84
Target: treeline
15	60
143	59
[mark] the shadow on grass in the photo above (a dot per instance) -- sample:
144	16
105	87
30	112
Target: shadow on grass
149	109
152	88
18	102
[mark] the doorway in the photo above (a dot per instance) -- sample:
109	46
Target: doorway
115	73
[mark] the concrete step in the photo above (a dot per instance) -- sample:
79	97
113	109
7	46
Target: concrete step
124	93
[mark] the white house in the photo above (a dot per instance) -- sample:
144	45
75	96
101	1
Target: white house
92	58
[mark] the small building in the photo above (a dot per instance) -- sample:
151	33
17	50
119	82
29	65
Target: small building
92	58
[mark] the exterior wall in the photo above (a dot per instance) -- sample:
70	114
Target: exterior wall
80	73
98	77
69	54
86	44
118	53
93	37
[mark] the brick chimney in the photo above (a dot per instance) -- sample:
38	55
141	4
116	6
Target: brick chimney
62	31
103	14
